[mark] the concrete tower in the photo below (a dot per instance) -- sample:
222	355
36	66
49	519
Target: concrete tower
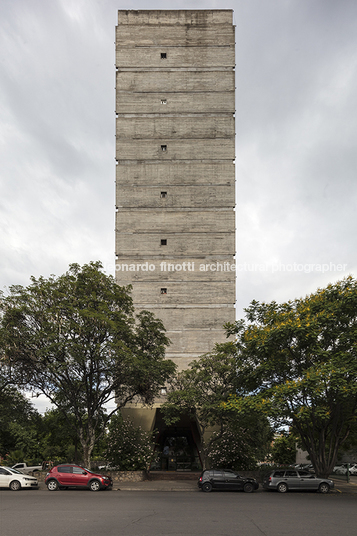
175	151
175	197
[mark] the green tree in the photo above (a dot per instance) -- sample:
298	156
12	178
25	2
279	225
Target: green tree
20	424
202	391
76	340
284	449
59	441
297	361
130	448
243	442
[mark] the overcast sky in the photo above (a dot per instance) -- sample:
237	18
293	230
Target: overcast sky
296	125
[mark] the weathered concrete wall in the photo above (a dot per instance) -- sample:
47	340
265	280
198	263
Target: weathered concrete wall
174	173
188	56
175	149
185	244
198	81
165	102
173	127
219	196
165	222
204	292
187	17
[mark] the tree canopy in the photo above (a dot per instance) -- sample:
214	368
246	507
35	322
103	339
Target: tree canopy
19	424
75	339
297	362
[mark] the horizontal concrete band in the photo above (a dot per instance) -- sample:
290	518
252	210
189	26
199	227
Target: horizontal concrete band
175	127
172	81
177	293
175	197
168	149
192	17
180	102
187	244
191	56
150	173
175	35
174	221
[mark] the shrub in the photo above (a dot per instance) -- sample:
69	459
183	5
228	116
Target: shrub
129	448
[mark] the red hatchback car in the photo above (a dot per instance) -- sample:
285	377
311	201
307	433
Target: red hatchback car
73	476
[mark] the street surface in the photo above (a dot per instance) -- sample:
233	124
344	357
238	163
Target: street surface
156	513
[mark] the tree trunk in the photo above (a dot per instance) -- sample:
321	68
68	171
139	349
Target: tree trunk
87	444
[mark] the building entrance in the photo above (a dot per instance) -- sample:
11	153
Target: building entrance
177	447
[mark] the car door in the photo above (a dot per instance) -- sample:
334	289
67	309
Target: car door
307	480
292	479
4	477
232	481
64	475
218	480
79	476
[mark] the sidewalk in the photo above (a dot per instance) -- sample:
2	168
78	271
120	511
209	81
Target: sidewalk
189	485
341	486
157	485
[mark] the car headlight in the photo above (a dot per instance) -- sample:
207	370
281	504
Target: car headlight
30	479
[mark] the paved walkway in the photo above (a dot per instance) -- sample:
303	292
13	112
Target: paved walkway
189	485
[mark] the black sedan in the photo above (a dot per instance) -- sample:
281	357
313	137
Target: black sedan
214	479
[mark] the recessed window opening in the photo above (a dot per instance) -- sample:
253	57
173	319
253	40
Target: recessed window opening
163	242
164	148
163	55
163	291
163	194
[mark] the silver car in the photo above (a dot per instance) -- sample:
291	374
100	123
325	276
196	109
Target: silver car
284	480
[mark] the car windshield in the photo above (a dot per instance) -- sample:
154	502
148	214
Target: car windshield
14	471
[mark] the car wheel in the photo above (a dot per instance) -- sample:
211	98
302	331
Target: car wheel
282	487
207	487
15	485
324	487
94	485
52	485
248	487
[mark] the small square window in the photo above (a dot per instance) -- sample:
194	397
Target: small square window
163	291
163	55
163	101
163	242
164	148
163	194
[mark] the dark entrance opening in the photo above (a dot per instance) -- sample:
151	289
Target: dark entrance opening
176	446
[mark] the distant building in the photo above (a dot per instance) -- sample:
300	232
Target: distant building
175	195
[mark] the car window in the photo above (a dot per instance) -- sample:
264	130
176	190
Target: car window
291	474
64	469
78	470
279	474
15	471
4	472
229	474
217	474
305	473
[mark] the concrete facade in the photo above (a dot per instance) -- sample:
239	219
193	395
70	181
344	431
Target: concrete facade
175	175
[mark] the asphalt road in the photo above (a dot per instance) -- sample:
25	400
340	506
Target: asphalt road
144	513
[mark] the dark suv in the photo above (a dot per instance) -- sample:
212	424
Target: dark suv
226	479
72	476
